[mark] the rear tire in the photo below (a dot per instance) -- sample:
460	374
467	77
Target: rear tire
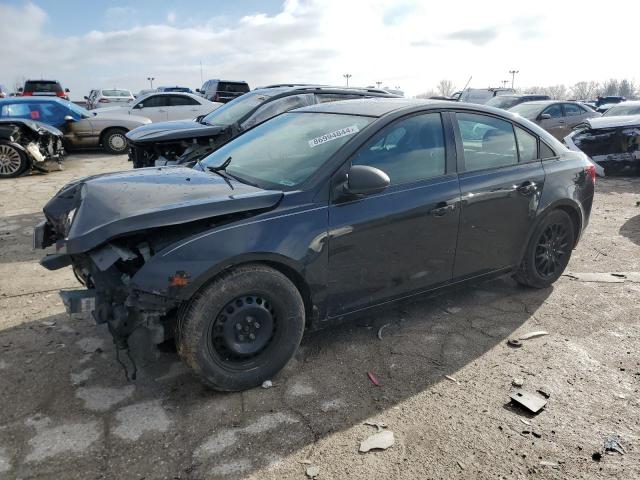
548	251
242	328
114	141
13	161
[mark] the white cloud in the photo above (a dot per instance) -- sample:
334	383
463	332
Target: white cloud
412	44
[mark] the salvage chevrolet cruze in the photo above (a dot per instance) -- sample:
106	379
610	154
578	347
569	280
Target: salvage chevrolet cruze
312	217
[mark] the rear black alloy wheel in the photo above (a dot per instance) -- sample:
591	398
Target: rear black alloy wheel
548	251
12	161
551	249
242	328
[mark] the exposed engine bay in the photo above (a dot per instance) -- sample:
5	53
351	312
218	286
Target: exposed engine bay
27	145
614	148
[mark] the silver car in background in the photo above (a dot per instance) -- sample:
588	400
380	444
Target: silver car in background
556	116
108	97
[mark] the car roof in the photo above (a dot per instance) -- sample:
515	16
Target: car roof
273	90
33	99
226	81
628	102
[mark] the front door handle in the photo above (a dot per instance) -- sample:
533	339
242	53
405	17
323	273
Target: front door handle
527	188
442	208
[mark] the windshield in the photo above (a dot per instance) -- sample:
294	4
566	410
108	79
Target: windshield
527	110
502	101
288	149
78	110
231	112
622	110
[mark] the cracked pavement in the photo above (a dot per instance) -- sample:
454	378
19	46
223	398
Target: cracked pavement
68	411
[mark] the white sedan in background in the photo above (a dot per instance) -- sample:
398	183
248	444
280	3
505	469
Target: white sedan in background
165	106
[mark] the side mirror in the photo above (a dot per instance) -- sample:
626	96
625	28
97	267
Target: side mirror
365	180
198	90
66	90
544	116
86	98
69	118
21	90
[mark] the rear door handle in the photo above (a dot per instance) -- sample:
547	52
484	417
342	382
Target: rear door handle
442	208
527	188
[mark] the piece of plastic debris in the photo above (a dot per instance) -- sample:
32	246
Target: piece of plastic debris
453	310
530	335
545	463
381	329
612	444
313	471
517	382
595	277
373	379
514	342
48	323
460	464
448	377
306	461
267	384
531	401
536	434
526	422
378	441
378	425
596	457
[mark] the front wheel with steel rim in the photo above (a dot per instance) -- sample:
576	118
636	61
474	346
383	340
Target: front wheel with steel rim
115	142
548	251
242	328
12	161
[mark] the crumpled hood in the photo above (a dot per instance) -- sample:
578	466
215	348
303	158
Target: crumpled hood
110	205
175	130
34	125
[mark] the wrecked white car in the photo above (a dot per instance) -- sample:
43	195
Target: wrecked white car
612	143
27	145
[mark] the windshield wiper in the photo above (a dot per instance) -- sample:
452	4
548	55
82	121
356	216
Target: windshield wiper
220	170
222	167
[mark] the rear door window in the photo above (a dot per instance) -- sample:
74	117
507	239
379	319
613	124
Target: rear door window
155	101
571	110
527	145
233	87
181	101
488	142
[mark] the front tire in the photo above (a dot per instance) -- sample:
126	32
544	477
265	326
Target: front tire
12	161
114	141
242	328
548	251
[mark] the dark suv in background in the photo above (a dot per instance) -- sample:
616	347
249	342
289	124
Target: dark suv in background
223	91
189	140
43	88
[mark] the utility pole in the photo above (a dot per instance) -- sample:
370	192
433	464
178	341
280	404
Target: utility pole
513	76
347	76
504	83
378	84
201	77
151	79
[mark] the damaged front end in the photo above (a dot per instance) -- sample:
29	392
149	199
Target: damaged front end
27	145
174	143
110	228
612	143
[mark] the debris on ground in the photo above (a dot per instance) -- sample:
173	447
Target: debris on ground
596	277
378	425
612	444
530	335
517	382
373	379
313	471
48	323
267	384
460	464
526	422
381	329
544	391
453	310
531	401
378	441
545	463
449	377
536	433
514	342
596	457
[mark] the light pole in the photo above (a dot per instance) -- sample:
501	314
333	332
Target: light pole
151	79
504	83
513	76
347	76
378	84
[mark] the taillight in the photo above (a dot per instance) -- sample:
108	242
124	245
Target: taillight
61	94
27	94
591	173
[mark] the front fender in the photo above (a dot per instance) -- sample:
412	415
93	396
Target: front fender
293	238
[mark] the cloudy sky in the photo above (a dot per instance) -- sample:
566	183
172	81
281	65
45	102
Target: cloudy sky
411	44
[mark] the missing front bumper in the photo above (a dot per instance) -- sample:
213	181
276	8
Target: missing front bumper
79	301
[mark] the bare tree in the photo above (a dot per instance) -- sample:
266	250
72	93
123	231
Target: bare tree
584	90
557	92
427	94
610	87
627	89
445	88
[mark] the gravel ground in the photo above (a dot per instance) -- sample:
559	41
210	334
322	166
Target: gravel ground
445	374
